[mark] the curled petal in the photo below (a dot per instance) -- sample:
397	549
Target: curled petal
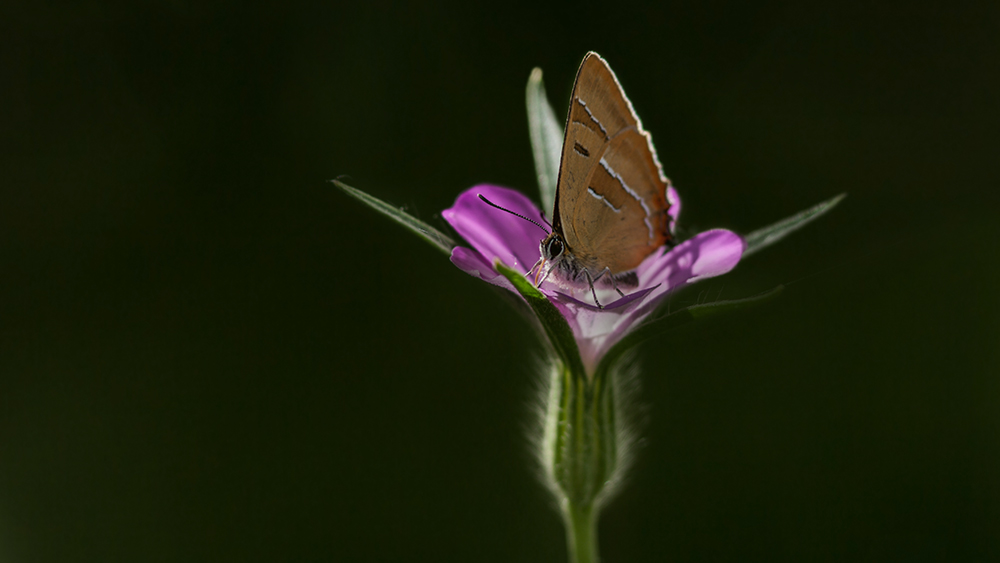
472	263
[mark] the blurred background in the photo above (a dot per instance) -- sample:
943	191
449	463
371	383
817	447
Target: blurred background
208	353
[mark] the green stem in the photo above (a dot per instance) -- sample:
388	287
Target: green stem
581	533
583	457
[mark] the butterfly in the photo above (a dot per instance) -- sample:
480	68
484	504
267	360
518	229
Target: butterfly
611	204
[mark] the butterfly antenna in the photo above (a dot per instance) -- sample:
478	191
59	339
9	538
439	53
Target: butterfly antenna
491	204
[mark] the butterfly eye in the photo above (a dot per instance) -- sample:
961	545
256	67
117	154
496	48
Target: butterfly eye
555	248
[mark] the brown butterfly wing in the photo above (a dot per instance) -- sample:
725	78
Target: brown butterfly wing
611	205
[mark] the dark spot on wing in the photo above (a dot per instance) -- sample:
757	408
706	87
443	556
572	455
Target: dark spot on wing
581	150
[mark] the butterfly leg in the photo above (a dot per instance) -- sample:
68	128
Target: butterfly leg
591	282
614	282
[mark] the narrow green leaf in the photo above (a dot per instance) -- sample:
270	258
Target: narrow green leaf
762	238
706	310
441	241
546	139
555	326
649	329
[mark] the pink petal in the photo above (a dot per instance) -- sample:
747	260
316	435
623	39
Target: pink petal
708	254
494	233
675	206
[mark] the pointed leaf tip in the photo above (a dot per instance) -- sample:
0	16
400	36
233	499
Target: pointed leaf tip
439	240
546	139
762	238
709	309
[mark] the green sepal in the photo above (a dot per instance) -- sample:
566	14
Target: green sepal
668	322
556	328
439	240
762	238
546	139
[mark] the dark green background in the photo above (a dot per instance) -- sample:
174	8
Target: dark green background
209	354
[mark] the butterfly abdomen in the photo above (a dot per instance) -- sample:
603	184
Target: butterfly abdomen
577	272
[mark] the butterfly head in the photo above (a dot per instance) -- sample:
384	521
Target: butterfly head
553	251
553	247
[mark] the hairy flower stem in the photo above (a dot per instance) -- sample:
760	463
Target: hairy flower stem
581	534
581	453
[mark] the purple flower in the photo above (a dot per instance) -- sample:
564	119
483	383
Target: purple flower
494	234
